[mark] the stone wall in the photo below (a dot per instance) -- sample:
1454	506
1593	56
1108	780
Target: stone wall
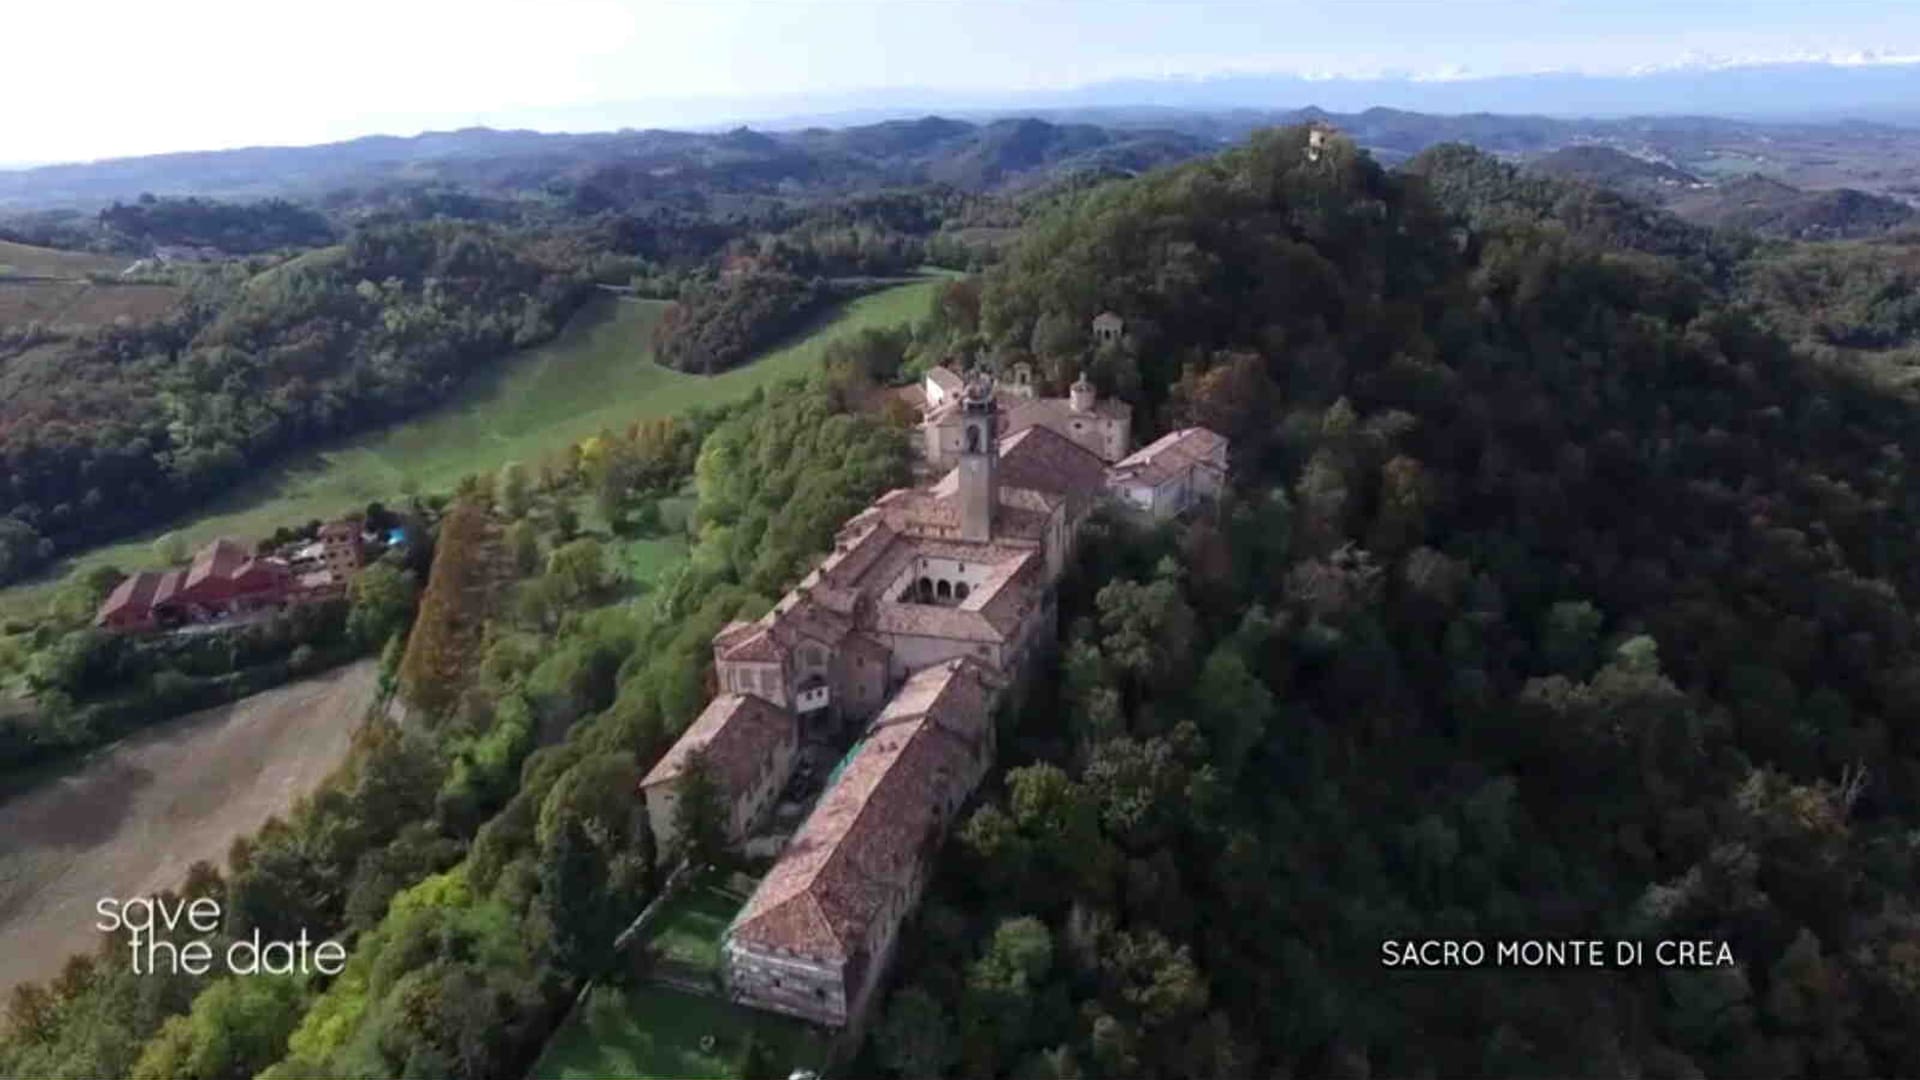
795	986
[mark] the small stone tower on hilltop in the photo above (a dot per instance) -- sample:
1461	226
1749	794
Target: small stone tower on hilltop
979	458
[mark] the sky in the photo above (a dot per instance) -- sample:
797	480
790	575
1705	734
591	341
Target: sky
102	78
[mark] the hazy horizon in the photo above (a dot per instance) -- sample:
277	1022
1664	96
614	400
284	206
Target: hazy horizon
210	75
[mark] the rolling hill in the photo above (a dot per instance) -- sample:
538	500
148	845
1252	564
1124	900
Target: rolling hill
1615	169
975	156
1771	208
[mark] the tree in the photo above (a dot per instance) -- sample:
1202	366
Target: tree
238	1026
1234	708
523	547
573	882
580	567
170	548
1147	630
1569	639
512	493
1022	949
76	662
1055	334
916	1037
699	817
382	598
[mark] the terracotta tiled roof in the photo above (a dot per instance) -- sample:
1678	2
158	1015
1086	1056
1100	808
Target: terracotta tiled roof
735	631
737	733
1021	498
1005	596
216	562
758	647
1022	413
868	835
799	615
1042	459
1170	455
929	620
132	594
260	573
856	551
169	587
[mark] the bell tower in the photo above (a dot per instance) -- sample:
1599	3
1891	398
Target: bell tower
979	458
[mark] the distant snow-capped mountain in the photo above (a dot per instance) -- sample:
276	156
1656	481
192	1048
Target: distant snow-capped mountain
1858	85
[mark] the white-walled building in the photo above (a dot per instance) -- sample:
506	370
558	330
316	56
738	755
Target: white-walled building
747	743
1175	471
1103	426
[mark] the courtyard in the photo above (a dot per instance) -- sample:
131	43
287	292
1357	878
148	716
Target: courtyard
657	1024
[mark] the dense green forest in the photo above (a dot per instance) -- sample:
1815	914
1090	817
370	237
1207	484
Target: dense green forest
1564	590
716	325
230	228
1557	598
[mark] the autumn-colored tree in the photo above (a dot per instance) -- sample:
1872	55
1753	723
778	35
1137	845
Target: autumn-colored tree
446	633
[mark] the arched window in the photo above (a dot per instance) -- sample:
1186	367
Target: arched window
960	591
926	589
945	591
973	439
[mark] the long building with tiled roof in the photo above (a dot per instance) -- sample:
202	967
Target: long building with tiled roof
225	578
816	935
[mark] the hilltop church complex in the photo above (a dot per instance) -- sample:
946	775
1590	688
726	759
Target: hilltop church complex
928	609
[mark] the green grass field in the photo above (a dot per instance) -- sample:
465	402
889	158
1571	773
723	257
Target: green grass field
691	923
47	262
650	1031
597	374
654	1031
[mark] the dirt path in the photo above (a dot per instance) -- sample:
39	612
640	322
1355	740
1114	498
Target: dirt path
131	820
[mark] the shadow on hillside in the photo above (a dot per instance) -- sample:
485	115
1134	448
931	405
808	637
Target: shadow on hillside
84	808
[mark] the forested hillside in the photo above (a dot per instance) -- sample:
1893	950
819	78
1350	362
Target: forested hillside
1565	589
233	228
122	426
1557	598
